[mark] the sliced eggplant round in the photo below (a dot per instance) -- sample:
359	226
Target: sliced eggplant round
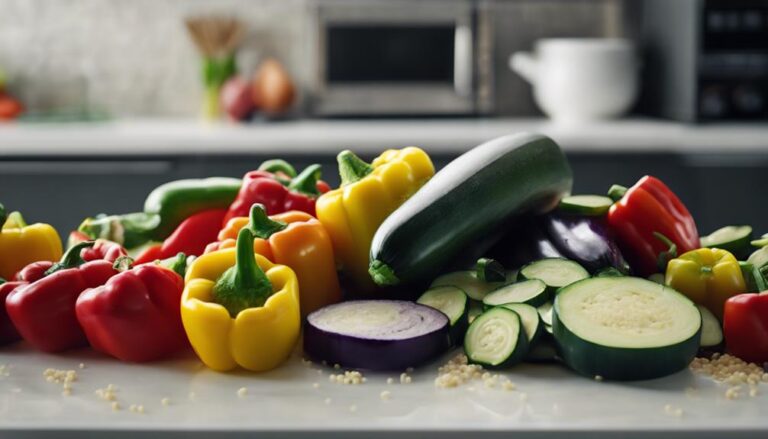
625	328
376	334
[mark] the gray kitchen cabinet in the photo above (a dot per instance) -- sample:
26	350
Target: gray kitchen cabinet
718	189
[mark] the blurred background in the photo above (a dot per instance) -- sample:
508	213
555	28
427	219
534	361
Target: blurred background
102	100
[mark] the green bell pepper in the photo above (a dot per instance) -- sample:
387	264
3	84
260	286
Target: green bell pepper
164	209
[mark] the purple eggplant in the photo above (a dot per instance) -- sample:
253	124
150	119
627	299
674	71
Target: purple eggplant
584	239
376	334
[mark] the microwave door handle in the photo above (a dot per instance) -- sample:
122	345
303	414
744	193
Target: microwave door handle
462	61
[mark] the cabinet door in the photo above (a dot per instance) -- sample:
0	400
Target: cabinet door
64	192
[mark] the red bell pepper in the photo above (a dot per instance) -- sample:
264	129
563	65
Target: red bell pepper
8	333
745	327
190	237
136	315
102	249
99	249
647	219
43	310
276	186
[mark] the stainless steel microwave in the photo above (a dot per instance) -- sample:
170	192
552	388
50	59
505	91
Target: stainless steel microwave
399	57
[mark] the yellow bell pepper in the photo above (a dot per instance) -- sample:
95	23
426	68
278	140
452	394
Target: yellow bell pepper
368	194
708	276
236	314
21	244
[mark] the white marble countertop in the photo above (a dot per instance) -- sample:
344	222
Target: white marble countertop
297	401
171	137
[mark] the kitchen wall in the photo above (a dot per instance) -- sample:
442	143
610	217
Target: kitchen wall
129	57
134	58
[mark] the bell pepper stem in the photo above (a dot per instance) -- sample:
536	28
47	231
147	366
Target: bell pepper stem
261	225
71	258
16	218
617	192
3	216
382	273
351	167
123	263
177	264
2	281
306	182
667	255
244	285
278	165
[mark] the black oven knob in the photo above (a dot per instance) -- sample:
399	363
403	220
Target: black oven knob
748	100
713	103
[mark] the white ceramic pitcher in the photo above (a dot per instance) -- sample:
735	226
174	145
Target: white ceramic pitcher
581	79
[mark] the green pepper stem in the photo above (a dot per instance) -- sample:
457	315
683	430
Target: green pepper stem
71	258
16	218
306	182
261	225
617	192
2	281
177	264
667	255
3	215
123	263
244	285
382	273
278	165
351	167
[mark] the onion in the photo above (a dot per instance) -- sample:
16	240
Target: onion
376	334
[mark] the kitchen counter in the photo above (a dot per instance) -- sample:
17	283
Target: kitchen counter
93	161
152	137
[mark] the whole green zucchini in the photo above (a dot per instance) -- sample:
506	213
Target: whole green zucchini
466	205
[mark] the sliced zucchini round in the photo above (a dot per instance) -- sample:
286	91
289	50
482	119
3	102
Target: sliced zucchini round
625	328
490	270
590	205
467	280
533	292
555	272
496	339
454	303
609	272
475	309
530	319
711	331
735	239
545	311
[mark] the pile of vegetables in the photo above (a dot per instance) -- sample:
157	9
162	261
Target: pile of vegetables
491	253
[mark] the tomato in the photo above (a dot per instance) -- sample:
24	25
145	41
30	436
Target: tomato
10	108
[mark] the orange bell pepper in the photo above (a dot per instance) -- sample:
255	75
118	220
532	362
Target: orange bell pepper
297	240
